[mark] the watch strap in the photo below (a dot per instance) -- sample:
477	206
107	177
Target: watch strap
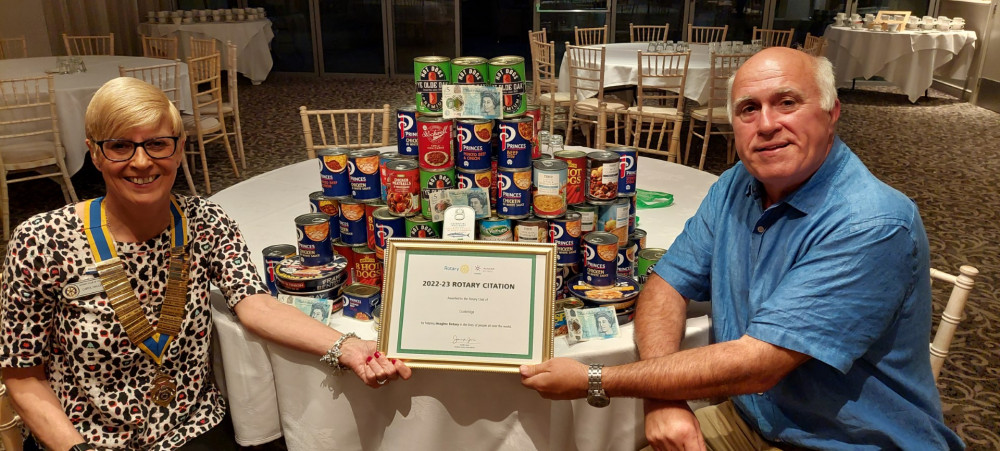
82	447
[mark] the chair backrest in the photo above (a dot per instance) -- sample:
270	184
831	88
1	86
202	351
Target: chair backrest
647	33
232	76
773	38
722	67
163	76
205	78
165	48
591	36
586	71
350	129
661	78
543	66
953	313
705	35
28	111
814	45
203	47
13	48
89	45
539	36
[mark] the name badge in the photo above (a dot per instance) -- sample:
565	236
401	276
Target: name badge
83	288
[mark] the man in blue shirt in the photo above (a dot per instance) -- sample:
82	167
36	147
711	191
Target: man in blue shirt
818	275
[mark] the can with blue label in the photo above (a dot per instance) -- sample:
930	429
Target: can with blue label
361	301
612	217
313	233
495	229
565	233
639	236
627	169
353	227
513	193
333	172
515	143
626	259
406	123
366	180
600	264
387	225
632	205
321	203
473	146
273	255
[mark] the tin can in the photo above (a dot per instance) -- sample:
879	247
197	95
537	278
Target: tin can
431	181
495	229
321	203
576	165
632	205
313	233
370	207
559	317
535	230
273	255
294	276
628	159
645	261
625	316
565	233
361	301
387	225
406	123
494	178
363	166
639	236
469	70
602	175
513	192
434	135
402	185
345	250
507	72
626	259
430	73
548	191
535	113
421	227
612	217
383	159
588	216
367	268
474	179
333	172
565	272
600	252
515	143
473	144
353	227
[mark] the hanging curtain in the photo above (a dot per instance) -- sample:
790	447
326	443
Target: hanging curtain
100	17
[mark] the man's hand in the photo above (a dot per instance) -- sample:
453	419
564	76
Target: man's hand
672	425
559	378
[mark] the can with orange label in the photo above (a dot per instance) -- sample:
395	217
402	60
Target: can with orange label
565	233
353	229
434	138
363	168
513	193
313	234
600	265
321	203
333	172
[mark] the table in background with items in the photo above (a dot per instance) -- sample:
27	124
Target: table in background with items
252	39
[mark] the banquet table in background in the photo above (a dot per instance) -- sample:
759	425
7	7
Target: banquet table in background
274	390
907	59
74	91
252	39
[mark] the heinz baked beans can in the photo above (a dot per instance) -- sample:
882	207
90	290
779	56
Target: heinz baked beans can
495	229
473	146
626	260
321	203
576	167
515	143
333	172
612	217
588	216
548	191
513	193
367	268
361	301
565	233
628	160
434	136
645	261
273	255
430	74
370	207
406	123
600	265
313	233
363	166
353	228
507	72
602	175
387	226
402	185
421	227
639	236
532	230
469	70
535	113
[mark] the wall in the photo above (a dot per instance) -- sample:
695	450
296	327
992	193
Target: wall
26	17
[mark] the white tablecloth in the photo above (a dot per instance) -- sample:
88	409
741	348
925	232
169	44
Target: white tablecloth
621	68
252	39
436	409
907	59
74	91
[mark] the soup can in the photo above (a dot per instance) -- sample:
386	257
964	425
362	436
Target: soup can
387	225
313	233
367	268
588	216
293	276
602	175
473	146
406	122
273	255
628	159
473	179
513	193
548	191
576	165
430	74
361	301
565	233
321	203
612	217
363	166
535	113
645	261
600	264
383	159
333	172
515	143
533	230
353	227
626	260
370	207
421	227
434	136
632	206
469	70
402	184
495	229
507	72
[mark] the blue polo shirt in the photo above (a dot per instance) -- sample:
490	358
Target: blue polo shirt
838	270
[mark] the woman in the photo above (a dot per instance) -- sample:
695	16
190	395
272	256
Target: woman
77	373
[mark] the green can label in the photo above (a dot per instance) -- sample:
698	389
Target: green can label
469	70
419	227
431	73
434	181
507	72
647	259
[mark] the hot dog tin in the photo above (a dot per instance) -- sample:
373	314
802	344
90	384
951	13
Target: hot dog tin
508	73
367	268
421	227
646	260
430	73
576	168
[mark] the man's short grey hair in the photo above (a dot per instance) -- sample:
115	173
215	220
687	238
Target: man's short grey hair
824	80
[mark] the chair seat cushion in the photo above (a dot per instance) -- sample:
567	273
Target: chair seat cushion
592	104
718	115
655	112
560	97
20	152
227	109
208	123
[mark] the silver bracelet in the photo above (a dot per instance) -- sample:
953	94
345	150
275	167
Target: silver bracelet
333	354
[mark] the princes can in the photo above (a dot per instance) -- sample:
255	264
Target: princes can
406	122
628	162
565	233
507	72
363	166
333	172
273	255
473	144
353	230
320	203
430	74
513	193
313	233
387	225
515	143
600	252
434	142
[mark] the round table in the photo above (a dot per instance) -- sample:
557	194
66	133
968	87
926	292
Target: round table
252	39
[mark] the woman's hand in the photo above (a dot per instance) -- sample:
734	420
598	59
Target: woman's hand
371	366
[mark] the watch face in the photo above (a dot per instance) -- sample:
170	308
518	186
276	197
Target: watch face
598	399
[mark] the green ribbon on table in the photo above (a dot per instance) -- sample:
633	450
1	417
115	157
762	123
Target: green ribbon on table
652	199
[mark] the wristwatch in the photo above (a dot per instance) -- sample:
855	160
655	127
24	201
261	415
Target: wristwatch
82	447
595	392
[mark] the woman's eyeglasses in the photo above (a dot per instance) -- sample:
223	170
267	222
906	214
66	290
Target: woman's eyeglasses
124	150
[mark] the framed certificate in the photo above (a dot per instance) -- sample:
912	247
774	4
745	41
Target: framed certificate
467	305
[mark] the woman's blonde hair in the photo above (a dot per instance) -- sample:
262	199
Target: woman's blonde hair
125	103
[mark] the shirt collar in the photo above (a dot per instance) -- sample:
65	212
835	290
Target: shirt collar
809	196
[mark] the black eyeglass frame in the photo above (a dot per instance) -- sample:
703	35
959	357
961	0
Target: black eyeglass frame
136	146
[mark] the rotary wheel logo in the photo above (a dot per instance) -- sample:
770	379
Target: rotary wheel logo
72	291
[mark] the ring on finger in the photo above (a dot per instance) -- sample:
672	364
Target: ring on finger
380	382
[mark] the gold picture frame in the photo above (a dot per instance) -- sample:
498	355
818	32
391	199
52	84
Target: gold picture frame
467	305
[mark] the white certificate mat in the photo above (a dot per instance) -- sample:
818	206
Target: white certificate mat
468	305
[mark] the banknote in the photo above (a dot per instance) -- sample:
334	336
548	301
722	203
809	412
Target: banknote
471	101
477	198
320	309
591	324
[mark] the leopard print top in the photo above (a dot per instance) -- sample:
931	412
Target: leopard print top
102	380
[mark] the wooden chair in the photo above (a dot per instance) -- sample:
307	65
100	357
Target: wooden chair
547	94
89	45
714	113
231	108
167	78
773	38
537	36
659	109
814	45
205	76
647	33
334	128
705	35
13	48
203	47
30	147
591	36
586	89
11	436
164	48
953	312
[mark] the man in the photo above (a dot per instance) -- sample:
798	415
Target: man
818	276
